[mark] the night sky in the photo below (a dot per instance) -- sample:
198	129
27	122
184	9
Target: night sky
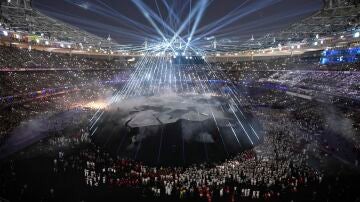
104	17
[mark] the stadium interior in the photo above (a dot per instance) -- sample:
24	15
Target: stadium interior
179	100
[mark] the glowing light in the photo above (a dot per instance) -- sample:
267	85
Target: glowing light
96	105
357	35
5	33
85	6
47	43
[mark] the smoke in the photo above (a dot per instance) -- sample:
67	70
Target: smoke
33	130
337	123
143	133
149	114
191	131
204	137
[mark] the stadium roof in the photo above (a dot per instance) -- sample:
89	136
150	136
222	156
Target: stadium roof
20	16
335	16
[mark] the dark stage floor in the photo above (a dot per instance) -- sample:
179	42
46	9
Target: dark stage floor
174	129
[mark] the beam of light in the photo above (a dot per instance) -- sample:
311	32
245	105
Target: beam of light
242	126
232	129
93	132
218	129
199	7
97	120
160	14
93	26
97	111
235	15
118	15
171	13
154	74
109	12
160	145
142	7
148	13
254	132
197	21
207	79
253	26
234	113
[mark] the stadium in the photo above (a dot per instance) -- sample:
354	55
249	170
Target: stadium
179	100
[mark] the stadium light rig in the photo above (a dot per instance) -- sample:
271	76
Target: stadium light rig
357	35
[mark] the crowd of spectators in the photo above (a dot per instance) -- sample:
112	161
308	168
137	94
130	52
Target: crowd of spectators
299	75
300	138
13	57
27	94
38	82
340	83
17	83
290	165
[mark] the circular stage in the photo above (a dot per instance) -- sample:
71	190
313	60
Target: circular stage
174	129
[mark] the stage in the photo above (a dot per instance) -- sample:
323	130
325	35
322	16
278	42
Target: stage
174	129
